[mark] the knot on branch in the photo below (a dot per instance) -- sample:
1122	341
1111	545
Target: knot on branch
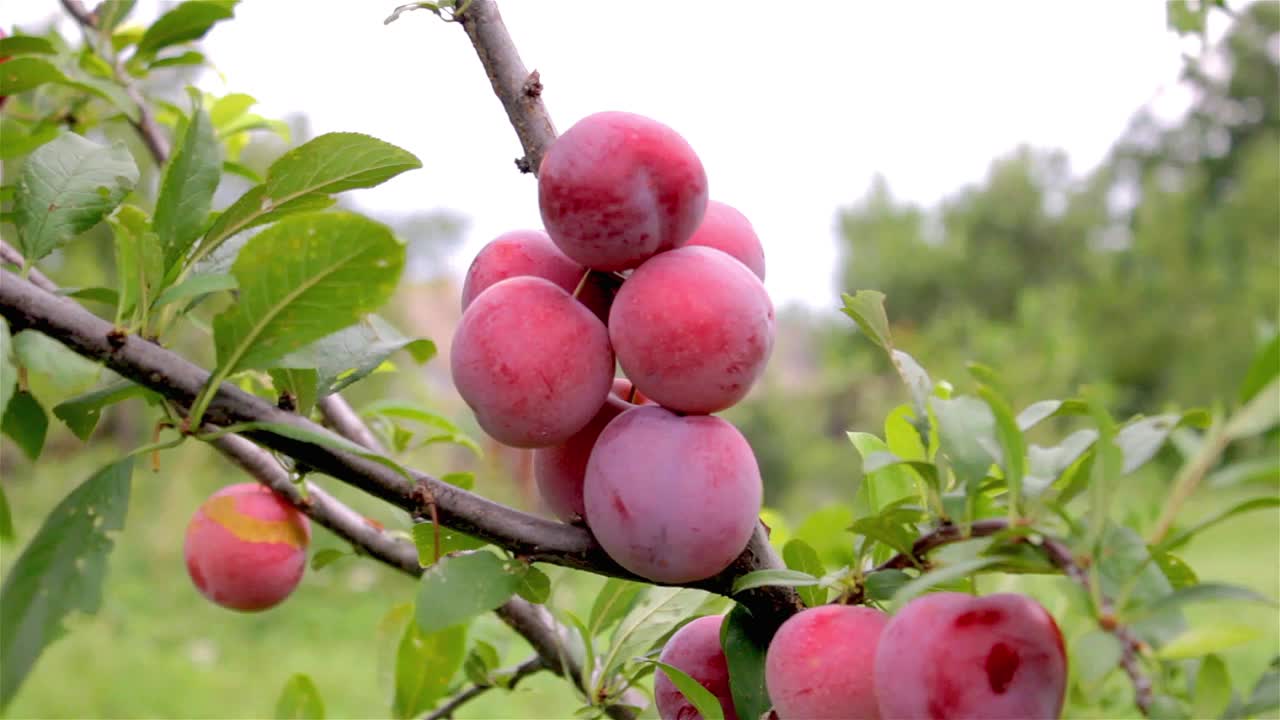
523	165
532	85
117	337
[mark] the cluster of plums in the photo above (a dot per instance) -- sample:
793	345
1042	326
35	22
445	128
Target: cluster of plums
942	656
637	269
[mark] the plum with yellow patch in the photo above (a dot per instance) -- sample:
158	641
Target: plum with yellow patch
246	547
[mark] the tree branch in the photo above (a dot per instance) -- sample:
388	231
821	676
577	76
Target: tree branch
344	419
530	537
523	670
10	254
519	90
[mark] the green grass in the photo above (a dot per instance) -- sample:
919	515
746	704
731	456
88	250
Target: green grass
158	649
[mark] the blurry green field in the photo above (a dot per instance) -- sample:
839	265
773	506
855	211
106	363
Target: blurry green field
157	649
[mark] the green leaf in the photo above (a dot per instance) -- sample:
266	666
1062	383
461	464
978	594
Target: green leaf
1254	470
1265	696
186	22
614	600
68	186
480	663
462	586
17	139
702	699
451	541
966	431
1139	441
938	577
1045	465
1094	655
882	584
24	73
299	383
827	531
1175	569
866	307
300	700
139	259
8	371
113	12
918	385
1037	412
25	423
901	436
98	294
26	45
1206	639
655	616
534	586
882	483
1012	445
81	413
324	558
800	555
186	190
1258	415
66	371
306	175
6	519
229	108
1212	689
60	571
351	354
745	644
1264	368
772	577
190	57
302	279
425	663
196	286
1183	537
1204	592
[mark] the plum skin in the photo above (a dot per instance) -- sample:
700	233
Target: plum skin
729	231
246	547
695	649
672	499
531	252
617	187
533	364
819	664
950	655
693	329
559	471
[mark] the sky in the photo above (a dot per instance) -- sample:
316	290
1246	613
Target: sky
792	107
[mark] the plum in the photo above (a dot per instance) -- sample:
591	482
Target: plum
819	664
695	649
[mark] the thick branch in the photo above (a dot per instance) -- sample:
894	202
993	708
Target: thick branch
519	90
523	670
530	537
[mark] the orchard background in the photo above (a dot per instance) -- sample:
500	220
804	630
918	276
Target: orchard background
1140	293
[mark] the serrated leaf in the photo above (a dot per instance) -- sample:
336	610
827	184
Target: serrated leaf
704	702
302	279
25	423
451	541
186	22
187	187
196	286
65	370
1212	688
462	586
1206	639
614	600
425	664
300	700
800	555
26	45
24	73
745	643
966	431
534	586
772	577
81	413
351	354
59	572
8	371
1262	370
940	576
307	175
1181	538
68	186
325	558
653	617
866	307
1204	592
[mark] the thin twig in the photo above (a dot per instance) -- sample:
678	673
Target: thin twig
10	254
533	665
339	415
945	535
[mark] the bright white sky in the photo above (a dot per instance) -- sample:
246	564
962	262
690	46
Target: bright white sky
793	107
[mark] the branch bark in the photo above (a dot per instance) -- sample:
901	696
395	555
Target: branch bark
519	90
532	538
523	670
